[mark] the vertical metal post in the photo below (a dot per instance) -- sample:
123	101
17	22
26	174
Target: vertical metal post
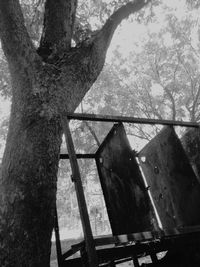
57	235
135	261
112	264
153	256
90	246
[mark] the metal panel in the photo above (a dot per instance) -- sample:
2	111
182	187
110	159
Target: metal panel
128	204
172	182
191	144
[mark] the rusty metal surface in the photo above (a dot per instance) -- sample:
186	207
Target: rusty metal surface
128	204
173	184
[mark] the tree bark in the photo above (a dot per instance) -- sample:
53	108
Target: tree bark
58	24
45	85
28	193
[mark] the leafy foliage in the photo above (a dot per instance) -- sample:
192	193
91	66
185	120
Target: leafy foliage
193	3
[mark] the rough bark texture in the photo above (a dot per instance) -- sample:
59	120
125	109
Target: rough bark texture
58	24
45	84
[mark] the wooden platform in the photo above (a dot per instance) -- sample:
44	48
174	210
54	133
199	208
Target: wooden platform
126	247
139	189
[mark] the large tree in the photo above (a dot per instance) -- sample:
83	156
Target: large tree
47	82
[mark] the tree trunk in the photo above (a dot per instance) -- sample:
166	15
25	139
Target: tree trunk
28	187
30	162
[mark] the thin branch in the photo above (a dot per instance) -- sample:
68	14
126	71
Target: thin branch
168	92
92	133
138	136
173	104
145	110
185	68
197	118
142	133
152	105
91	130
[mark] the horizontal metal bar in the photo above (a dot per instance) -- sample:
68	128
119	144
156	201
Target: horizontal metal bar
109	118
78	156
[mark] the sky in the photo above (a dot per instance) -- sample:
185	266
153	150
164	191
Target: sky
4	107
4	111
130	33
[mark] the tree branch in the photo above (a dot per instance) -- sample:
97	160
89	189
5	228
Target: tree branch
92	52
152	105
105	35
58	28
15	40
167	91
83	63
91	130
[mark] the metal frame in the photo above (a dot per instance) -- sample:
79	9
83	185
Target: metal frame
90	246
109	118
89	242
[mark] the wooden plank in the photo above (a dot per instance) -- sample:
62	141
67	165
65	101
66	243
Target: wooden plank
173	243
136	249
153	256
171	180
106	240
90	247
126	239
68	254
136	262
127	200
191	144
78	156
144	236
189	229
109	118
119	240
77	262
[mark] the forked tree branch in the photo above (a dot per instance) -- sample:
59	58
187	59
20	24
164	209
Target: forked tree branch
92	52
86	60
59	20
98	43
